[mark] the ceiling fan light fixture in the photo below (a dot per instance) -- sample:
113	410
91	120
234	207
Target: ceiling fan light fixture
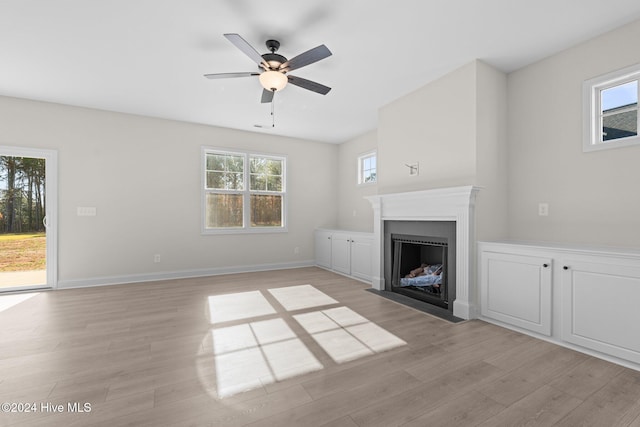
273	80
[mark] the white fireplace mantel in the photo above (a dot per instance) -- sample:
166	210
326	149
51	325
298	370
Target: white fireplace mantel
442	204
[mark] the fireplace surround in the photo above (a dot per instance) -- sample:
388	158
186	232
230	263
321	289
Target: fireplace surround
455	204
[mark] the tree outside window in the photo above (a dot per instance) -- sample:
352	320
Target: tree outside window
243	192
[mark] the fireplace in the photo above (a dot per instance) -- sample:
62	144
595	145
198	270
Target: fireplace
420	260
416	214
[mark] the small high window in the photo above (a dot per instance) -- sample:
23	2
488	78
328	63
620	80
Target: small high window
611	110
367	168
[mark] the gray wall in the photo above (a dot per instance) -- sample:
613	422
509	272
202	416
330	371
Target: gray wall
593	197
455	128
143	176
519	138
435	126
355	212
491	153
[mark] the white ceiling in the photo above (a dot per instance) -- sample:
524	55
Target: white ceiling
148	57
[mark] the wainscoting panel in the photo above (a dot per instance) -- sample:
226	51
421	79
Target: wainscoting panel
600	307
516	289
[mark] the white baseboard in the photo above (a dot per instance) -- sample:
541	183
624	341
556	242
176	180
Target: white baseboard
609	358
182	274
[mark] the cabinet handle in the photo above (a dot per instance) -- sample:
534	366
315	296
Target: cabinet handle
545	265
566	267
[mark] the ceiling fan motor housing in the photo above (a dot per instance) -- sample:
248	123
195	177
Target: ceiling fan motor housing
273	59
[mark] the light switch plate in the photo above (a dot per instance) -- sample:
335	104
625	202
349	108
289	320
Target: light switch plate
543	209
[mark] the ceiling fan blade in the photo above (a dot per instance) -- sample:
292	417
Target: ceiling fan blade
229	75
245	47
267	96
309	85
306	58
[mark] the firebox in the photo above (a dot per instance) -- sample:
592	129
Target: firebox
419	268
420	261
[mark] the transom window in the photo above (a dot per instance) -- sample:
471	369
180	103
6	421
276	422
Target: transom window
243	192
611	110
367	168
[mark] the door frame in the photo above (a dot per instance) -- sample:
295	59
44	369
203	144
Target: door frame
51	197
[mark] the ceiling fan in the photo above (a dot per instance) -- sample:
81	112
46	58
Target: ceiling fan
274	68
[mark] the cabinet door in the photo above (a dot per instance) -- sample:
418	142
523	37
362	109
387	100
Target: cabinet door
341	253
516	289
361	258
323	248
600	305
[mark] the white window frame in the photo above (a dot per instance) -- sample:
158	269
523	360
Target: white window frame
361	159
246	193
591	105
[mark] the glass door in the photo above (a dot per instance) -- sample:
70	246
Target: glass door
27	209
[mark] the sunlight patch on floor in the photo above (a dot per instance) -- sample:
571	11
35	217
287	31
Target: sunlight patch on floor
243	305
8	301
345	335
260	352
298	297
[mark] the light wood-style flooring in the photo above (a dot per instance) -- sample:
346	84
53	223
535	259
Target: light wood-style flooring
141	355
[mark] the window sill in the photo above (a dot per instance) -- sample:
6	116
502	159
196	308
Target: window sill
616	143
265	230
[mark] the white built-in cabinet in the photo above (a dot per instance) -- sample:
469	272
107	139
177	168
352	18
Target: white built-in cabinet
585	298
323	248
601	304
345	252
341	252
516	289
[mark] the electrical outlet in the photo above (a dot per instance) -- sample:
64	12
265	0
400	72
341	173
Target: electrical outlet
156	258
543	209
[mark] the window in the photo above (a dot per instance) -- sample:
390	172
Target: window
243	192
367	168
611	110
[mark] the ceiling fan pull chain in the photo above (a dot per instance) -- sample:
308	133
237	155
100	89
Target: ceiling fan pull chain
273	112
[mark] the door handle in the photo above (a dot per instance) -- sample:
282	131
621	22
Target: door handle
45	222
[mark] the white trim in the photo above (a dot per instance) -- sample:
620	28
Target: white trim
591	124
443	204
180	274
565	344
51	202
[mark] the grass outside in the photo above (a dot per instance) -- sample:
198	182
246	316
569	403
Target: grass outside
22	252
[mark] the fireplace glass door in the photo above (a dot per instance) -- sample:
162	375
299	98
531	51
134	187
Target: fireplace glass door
419	268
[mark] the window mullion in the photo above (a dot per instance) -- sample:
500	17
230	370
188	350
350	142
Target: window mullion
247	193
